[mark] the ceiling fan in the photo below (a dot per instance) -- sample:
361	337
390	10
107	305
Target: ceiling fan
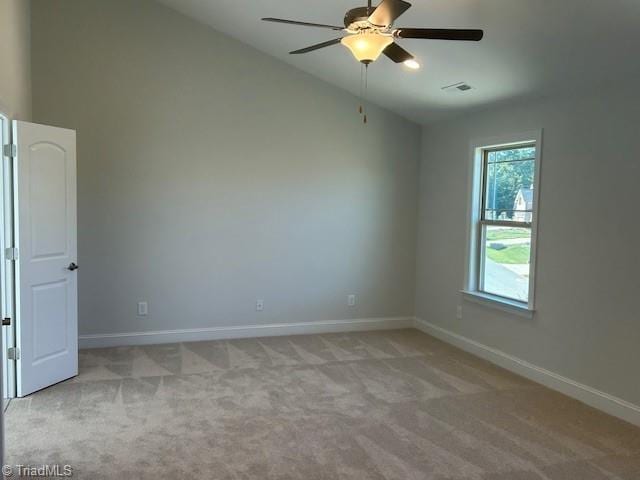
371	33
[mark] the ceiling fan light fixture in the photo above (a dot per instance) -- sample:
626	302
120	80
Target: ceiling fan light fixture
367	47
412	64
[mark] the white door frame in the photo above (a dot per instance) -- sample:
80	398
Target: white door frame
7	292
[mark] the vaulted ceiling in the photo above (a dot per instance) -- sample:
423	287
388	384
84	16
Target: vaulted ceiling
530	48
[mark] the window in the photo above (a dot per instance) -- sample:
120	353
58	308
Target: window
503	216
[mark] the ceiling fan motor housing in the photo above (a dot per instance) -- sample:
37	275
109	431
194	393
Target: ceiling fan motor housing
357	19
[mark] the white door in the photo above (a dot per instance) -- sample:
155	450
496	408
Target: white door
46	271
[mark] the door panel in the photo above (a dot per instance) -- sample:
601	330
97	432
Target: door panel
45	206
48	197
50	313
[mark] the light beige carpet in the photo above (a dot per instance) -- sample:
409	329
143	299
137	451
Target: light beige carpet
376	405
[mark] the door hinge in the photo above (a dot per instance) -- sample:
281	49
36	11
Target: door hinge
10	150
13	353
11	253
6	322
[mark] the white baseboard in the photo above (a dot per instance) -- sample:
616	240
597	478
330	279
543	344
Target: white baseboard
583	393
246	331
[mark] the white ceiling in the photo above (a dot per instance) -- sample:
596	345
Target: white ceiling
530	48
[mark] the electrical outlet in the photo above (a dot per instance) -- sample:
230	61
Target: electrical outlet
459	312
259	305
143	309
351	300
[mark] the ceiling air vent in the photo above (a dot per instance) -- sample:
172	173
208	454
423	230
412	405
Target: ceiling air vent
460	87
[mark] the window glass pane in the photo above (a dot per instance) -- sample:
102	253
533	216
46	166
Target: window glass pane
507	254
509	184
509	155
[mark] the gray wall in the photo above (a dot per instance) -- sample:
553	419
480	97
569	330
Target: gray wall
586	326
15	62
210	175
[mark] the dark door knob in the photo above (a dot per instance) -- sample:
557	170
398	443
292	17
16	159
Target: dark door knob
72	266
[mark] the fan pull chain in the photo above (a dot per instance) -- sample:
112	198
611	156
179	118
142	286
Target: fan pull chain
366	84
360	108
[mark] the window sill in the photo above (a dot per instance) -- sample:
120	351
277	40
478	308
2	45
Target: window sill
504	304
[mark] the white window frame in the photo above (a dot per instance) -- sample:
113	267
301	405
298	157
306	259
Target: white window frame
471	290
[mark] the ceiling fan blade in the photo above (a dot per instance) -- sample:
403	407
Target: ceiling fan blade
440	34
317	46
387	12
303	24
396	53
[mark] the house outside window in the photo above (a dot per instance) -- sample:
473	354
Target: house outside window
523	205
